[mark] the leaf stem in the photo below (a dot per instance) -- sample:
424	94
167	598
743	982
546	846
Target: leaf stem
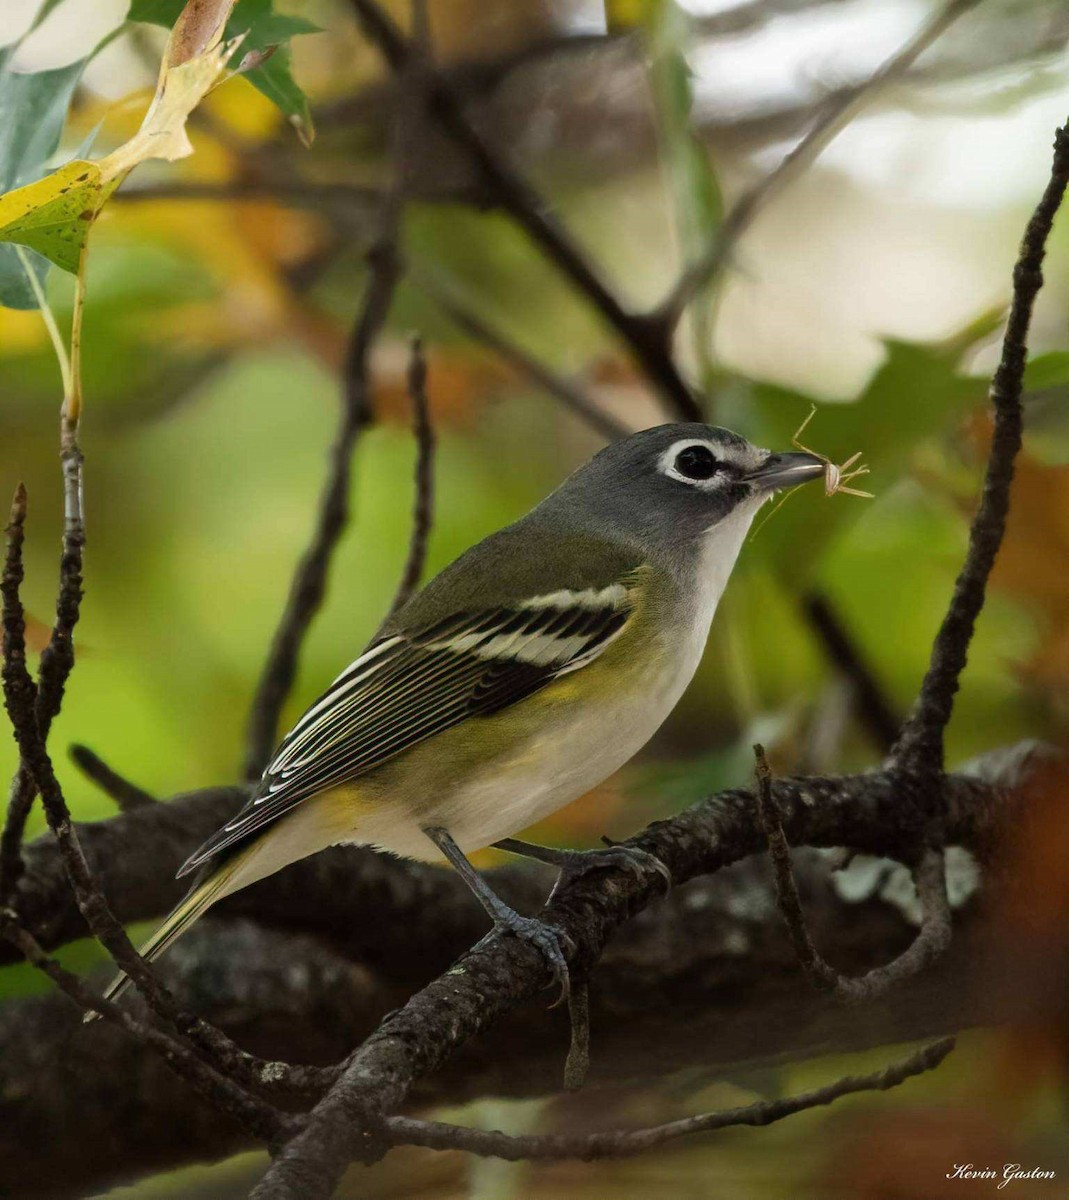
49	318
72	405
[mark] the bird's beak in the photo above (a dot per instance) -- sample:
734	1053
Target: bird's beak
780	471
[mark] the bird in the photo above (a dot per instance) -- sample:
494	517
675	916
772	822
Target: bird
523	675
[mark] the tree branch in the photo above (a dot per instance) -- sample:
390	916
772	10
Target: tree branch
920	747
57	658
550	381
929	878
135	856
423	511
126	795
706	978
310	579
625	1142
490	980
837	114
648	340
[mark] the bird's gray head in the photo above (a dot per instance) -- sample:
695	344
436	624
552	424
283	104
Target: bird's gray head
669	487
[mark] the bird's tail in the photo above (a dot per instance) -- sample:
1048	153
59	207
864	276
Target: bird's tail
194	905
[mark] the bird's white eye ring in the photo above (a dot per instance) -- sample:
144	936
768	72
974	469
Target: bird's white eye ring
692	462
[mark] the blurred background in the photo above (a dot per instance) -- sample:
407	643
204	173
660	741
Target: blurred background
221	294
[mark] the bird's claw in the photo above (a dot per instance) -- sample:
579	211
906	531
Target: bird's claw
630	858
554	944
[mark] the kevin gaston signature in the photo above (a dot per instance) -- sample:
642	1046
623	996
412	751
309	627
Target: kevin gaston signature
1009	1173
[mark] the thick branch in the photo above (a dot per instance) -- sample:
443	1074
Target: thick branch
135	855
491	980
707	977
259	1119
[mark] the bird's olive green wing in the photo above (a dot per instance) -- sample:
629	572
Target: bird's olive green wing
409	686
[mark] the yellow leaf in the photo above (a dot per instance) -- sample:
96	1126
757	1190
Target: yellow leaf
180	89
53	215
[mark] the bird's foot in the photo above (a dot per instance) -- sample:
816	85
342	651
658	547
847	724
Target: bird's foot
630	858
572	863
554	944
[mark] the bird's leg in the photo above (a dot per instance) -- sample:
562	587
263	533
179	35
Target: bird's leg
577	862
550	940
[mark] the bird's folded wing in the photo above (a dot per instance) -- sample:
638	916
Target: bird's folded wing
409	687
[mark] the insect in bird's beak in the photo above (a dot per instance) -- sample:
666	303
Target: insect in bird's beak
835	477
780	471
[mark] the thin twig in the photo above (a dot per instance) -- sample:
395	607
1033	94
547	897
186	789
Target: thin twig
929	877
309	583
646	335
873	708
423	509
126	795
57	658
21	698
920	747
556	385
310	578
835	118
14	646
94	907
625	1142
260	1119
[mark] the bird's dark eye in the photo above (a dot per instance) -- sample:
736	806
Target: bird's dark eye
697	462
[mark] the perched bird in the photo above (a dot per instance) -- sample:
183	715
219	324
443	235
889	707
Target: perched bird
523	675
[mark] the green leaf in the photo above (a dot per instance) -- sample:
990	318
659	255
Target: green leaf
275	80
155	12
1047	371
33	108
15	289
262	29
54	215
